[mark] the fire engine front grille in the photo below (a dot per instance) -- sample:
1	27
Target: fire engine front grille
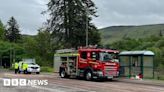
110	70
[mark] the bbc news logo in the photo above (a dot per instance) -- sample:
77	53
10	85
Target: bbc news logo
24	82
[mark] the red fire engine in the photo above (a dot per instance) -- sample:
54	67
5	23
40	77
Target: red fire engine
89	63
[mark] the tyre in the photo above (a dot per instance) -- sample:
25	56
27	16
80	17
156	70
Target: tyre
88	75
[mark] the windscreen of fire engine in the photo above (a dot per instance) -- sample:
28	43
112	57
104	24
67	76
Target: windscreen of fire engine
105	56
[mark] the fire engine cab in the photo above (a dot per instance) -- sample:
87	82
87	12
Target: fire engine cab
89	63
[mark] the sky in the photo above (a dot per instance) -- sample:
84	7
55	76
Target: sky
110	12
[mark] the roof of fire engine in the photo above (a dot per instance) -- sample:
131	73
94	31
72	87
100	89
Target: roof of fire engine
150	53
101	50
62	51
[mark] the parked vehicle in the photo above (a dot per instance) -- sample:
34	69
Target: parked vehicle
89	63
29	66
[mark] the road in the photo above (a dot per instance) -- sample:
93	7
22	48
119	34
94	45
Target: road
57	84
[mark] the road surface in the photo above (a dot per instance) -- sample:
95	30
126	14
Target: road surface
57	84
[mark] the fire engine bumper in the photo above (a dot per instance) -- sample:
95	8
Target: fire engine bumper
99	75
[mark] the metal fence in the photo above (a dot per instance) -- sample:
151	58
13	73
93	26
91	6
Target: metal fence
159	74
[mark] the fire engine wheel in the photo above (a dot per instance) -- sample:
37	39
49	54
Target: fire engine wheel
88	75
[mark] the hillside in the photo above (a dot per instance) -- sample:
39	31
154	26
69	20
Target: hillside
115	33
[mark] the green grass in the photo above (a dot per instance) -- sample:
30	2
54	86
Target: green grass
43	69
47	69
115	33
160	77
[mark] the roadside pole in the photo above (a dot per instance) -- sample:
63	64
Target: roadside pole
86	11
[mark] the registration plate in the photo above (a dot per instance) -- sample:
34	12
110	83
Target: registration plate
112	73
34	70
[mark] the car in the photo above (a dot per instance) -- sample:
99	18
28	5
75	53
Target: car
32	67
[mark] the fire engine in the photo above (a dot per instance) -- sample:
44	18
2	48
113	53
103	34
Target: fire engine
88	63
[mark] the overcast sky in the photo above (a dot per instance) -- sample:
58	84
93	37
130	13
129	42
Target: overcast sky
111	12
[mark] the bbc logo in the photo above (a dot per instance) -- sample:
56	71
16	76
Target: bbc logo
14	82
24	82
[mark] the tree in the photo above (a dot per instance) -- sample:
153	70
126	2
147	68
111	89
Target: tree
4	48
40	47
2	29
29	46
68	22
12	32
44	47
161	33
